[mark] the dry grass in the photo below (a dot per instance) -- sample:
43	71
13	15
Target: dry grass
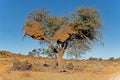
76	70
17	75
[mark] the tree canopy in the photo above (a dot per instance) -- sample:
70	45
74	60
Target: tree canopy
77	32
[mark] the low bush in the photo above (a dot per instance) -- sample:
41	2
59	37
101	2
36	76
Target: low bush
22	66
70	66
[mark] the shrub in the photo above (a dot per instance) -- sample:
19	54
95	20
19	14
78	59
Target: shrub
70	66
111	58
22	66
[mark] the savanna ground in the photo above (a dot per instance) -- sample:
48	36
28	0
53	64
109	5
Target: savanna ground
46	69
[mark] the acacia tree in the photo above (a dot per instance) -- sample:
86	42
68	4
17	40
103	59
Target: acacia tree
76	33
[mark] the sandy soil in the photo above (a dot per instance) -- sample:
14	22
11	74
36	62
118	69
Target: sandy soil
50	75
85	70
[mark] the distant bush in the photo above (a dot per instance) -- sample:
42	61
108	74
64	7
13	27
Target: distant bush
118	58
3	52
111	58
91	58
100	59
42	53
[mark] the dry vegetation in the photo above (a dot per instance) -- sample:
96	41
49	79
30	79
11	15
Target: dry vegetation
19	67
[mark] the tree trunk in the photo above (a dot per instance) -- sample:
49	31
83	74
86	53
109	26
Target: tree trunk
51	44
59	57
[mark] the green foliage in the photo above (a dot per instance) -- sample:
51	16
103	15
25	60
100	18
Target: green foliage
34	52
111	58
3	52
30	54
41	52
50	23
118	58
100	59
86	18
91	58
89	21
86	22
78	47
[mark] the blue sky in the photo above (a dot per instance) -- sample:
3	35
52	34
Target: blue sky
13	14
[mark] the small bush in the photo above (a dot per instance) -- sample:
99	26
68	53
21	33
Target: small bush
70	66
22	66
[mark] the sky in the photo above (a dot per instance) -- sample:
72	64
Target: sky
13	14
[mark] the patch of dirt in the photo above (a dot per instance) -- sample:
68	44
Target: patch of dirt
115	76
